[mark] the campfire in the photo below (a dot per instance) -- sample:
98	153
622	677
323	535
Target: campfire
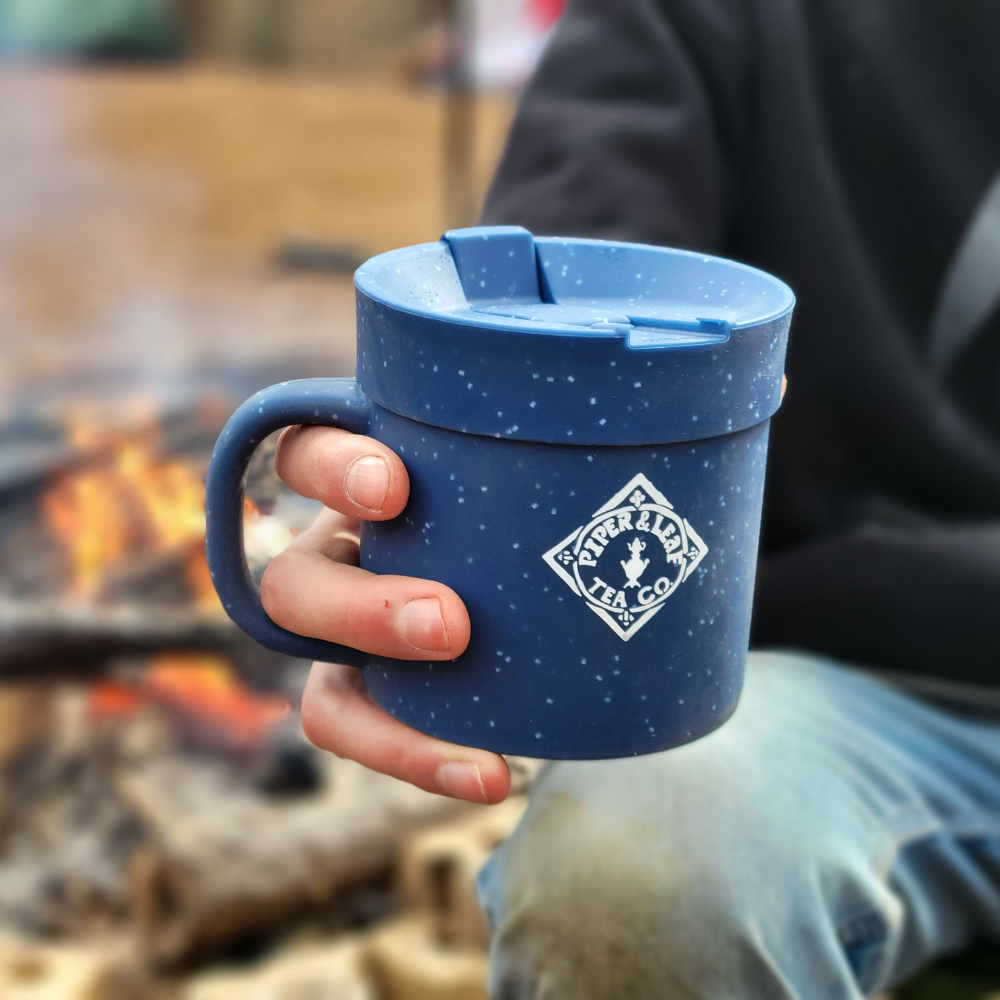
160	810
128	506
131	525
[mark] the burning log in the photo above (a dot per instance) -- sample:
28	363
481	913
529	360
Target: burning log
221	863
70	636
26	464
126	529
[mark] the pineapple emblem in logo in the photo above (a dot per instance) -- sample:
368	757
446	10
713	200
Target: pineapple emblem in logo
633	554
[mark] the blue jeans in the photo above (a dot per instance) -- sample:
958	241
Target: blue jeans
832	837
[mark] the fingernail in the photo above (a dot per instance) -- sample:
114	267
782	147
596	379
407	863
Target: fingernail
462	780
420	624
367	482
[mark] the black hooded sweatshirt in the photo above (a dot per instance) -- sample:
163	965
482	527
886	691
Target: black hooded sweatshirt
843	145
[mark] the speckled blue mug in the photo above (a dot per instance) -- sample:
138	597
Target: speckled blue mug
585	426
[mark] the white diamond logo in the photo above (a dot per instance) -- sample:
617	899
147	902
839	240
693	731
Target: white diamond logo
628	560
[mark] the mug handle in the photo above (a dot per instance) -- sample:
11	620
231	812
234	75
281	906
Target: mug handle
332	402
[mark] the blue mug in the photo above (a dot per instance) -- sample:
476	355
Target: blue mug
584	425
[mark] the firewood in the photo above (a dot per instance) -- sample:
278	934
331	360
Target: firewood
29	459
438	869
59	634
83	971
410	963
223	862
332	971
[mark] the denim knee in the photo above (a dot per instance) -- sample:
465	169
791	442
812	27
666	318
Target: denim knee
698	873
583	912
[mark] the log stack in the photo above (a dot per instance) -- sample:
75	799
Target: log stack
221	863
132	859
435	949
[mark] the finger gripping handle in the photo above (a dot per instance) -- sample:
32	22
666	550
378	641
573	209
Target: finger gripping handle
333	402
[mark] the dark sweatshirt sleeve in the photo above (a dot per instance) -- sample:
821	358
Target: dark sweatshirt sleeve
696	123
631	127
919	600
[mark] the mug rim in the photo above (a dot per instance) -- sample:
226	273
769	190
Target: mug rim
383	279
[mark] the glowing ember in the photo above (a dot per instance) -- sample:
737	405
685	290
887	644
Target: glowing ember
110	700
202	692
206	692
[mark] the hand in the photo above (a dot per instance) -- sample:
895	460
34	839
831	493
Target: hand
316	588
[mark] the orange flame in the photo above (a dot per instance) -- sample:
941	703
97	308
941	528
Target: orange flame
129	504
132	504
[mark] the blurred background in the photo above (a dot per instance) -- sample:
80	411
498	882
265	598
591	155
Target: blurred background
186	187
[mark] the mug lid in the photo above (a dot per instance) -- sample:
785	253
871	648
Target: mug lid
495	331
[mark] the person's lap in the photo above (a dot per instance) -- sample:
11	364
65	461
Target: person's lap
830	838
